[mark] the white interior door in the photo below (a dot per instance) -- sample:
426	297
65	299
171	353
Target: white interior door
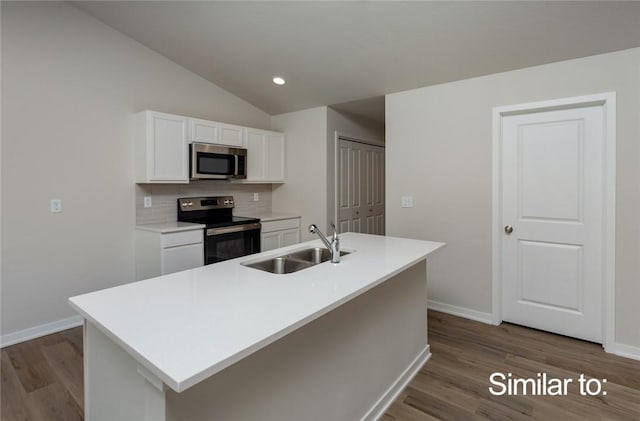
552	214
373	184
344	181
360	185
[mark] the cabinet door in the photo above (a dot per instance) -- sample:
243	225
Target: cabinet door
256	156
271	241
175	259
290	237
203	131
265	156
275	157
231	135
166	148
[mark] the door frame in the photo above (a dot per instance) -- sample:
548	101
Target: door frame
608	102
337	136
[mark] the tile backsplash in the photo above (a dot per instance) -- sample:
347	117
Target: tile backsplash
164	196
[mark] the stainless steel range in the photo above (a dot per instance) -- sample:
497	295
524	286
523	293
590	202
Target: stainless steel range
225	236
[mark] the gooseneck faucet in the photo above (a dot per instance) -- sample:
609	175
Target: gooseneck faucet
333	245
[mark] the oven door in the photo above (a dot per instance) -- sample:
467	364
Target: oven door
226	243
217	162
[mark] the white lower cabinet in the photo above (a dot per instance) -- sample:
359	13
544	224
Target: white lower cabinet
179	258
281	233
162	253
271	240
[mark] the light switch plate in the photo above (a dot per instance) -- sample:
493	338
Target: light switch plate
147	201
256	197
55	205
406	201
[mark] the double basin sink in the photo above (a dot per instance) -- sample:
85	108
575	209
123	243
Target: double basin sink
294	261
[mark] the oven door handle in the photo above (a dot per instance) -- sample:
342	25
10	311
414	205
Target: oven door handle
234	228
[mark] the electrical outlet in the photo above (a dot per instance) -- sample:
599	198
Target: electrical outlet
256	197
406	201
147	201
55	205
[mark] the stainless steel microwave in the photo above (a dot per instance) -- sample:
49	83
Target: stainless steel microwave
217	162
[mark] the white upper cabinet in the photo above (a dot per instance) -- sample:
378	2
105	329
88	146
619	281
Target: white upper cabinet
265	156
275	156
231	135
256	156
205	131
161	148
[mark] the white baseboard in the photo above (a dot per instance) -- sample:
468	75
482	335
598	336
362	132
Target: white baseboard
385	401
41	330
623	350
467	313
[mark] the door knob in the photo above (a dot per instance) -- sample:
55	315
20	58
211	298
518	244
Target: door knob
508	229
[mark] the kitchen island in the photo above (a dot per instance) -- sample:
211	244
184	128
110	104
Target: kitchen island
230	342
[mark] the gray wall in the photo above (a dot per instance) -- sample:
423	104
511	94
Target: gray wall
352	126
305	191
309	189
70	86
439	144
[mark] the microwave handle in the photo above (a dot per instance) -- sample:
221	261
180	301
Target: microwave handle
235	170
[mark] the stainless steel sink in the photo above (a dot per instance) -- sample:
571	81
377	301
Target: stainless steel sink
315	254
293	262
280	265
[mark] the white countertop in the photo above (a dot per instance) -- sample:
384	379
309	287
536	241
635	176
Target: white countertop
166	227
187	326
270	216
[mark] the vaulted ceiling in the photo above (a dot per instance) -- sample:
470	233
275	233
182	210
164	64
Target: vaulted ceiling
340	52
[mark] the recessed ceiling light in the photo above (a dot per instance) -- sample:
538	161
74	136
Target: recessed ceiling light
279	81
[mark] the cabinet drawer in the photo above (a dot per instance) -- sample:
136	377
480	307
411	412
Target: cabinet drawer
176	259
181	238
283	224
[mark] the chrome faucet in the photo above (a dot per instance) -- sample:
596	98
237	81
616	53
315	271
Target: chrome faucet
333	245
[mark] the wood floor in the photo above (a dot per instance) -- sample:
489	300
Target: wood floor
42	378
454	383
